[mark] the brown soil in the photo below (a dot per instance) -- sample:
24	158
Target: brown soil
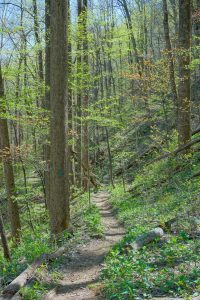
83	268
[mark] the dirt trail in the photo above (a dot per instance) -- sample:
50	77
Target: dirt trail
84	267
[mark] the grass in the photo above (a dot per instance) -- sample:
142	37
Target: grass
160	192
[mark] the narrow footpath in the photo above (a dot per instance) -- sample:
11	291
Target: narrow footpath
84	268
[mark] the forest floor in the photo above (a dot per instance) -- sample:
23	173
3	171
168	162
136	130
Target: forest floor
81	271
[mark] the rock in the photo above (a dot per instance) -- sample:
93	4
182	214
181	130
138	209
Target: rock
147	238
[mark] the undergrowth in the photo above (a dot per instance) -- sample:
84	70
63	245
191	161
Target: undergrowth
160	192
36	240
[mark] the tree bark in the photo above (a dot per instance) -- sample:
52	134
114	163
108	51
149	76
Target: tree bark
38	42
184	90
4	241
13	208
85	146
79	99
58	203
46	99
170	57
70	104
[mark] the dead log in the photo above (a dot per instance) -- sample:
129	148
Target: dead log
177	151
146	238
154	147
136	159
12	289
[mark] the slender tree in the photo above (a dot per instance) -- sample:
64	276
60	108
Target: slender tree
184	90
79	98
170	56
70	104
8	169
38	42
46	99
85	104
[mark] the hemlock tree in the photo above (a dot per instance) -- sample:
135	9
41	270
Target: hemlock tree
58	203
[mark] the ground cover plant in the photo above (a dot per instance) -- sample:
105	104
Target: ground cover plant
86	224
170	266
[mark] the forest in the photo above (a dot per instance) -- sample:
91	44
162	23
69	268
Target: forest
100	149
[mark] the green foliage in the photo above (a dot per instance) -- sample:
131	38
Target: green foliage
87	217
93	221
161	269
34	292
160	192
33	244
36	241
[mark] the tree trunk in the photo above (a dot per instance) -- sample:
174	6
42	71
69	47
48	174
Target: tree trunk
70	104
58	203
46	99
6	251
184	91
85	146
38	42
109	159
8	170
79	99
132	37
170	57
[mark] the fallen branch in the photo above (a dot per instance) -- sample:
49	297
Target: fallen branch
147	151
12	289
134	162
135	193
177	151
196	131
195	175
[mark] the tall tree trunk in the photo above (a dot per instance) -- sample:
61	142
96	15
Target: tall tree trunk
8	170
170	57
46	99
85	147
79	99
58	203
70	104
38	42
184	91
132	37
175	17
